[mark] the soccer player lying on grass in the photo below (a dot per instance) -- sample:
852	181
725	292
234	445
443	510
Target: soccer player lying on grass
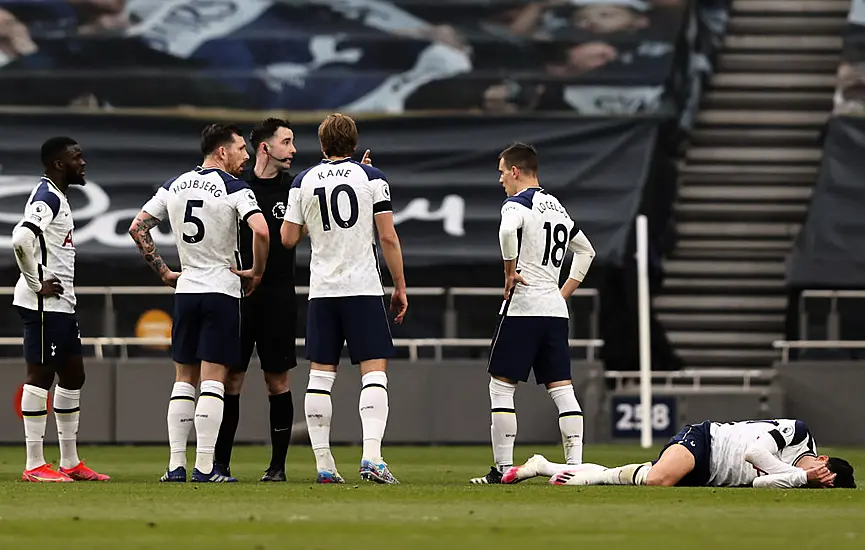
756	453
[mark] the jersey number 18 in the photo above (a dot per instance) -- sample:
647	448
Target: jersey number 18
557	240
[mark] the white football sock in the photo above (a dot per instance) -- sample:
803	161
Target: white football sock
570	422
67	413
503	430
373	407
34	408
550	469
319	410
630	474
208	418
181	418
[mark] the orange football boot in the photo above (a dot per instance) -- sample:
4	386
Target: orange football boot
83	473
44	474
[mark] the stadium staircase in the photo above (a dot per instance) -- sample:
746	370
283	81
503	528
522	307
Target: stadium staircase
747	179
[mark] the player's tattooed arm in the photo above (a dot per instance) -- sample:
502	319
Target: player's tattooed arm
140	233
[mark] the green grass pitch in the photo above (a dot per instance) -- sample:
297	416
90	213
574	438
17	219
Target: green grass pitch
434	508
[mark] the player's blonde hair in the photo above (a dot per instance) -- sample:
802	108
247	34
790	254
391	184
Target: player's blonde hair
338	135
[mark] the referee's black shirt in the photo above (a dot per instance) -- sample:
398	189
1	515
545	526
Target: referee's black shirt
271	195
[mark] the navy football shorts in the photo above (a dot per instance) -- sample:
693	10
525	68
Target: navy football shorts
697	438
50	337
525	344
206	328
359	321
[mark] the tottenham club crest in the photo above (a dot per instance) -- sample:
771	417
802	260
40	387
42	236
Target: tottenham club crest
279	210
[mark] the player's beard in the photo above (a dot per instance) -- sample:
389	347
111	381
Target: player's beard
237	169
74	178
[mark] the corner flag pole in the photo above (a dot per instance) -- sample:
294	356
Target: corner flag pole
643	311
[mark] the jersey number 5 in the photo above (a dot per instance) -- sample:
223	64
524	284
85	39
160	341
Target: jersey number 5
557	240
320	192
189	217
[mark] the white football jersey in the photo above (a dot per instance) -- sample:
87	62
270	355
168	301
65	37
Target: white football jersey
731	441
49	216
338	201
546	232
205	208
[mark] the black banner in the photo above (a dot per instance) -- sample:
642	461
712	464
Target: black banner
498	56
443	175
830	249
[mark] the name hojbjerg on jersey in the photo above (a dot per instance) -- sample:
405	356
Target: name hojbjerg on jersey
207	186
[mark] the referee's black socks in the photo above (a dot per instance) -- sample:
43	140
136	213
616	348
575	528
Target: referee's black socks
281	420
227	431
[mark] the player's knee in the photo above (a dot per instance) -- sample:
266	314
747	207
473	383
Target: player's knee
277	383
502	382
40	379
71	380
188	373
234	383
662	479
373	365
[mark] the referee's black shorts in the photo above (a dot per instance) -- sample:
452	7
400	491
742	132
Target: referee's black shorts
268	323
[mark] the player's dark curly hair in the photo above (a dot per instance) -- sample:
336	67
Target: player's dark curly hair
266	130
843	473
215	136
53	148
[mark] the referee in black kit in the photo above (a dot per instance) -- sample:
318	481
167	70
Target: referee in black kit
269	315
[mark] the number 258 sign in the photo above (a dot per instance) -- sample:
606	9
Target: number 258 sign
628	416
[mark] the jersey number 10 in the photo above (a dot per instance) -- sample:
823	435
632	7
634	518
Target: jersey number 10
321	193
557	240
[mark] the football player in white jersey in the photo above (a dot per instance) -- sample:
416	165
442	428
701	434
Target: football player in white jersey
45	299
532	335
342	204
205	207
755	453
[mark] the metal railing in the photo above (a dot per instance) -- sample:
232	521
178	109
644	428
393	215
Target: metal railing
450	294
413	344
833	319
695	379
786	345
833	324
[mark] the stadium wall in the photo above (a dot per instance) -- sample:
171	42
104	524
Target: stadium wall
827	395
431	403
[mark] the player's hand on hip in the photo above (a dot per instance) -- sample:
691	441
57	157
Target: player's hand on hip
169	278
366	159
398	304
51	288
511	282
820	475
250	280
